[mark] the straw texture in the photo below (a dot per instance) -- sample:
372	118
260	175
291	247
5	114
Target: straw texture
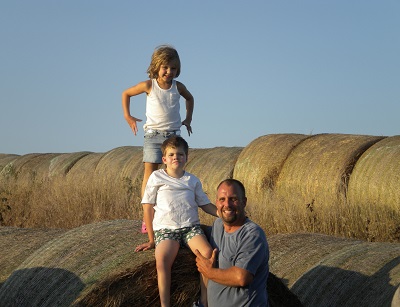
260	163
317	170
94	265
376	177
19	243
212	166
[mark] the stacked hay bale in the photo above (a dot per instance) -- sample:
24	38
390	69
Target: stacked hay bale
17	244
374	184
212	165
28	168
64	269
259	164
317	170
329	271
61	164
95	265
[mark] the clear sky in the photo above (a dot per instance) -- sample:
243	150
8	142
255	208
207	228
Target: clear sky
253	67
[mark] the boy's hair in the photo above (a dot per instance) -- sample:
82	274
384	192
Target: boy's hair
174	142
163	54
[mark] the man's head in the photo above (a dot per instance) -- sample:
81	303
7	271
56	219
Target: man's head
231	202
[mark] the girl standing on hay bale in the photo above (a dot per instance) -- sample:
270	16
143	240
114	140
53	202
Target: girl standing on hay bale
170	204
162	107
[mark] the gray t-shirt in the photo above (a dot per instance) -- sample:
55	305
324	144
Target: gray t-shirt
246	248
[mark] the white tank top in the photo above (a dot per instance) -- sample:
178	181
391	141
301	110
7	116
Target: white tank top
163	108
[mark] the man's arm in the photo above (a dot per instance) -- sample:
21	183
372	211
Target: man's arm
231	277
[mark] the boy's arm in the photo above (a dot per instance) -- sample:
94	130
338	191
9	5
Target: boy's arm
210	209
142	87
148	211
189	106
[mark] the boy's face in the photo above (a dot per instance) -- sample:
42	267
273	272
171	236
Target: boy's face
168	71
174	158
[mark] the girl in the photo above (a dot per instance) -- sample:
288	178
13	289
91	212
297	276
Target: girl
162	107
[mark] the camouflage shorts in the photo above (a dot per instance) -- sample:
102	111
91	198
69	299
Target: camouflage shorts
182	235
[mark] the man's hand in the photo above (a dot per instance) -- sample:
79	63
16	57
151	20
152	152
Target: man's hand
205	265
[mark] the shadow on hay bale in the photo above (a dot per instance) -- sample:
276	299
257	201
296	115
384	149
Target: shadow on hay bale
17	244
52	281
329	271
139	287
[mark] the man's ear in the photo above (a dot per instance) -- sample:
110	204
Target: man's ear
244	202
164	159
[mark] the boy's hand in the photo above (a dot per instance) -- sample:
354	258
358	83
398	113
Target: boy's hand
144	246
188	127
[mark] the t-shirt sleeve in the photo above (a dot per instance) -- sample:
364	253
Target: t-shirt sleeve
201	197
252	252
150	192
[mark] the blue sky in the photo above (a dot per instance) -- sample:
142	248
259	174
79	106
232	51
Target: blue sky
253	67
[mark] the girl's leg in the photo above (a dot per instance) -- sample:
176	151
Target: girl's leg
165	253
200	242
148	169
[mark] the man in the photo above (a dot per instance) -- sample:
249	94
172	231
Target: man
238	269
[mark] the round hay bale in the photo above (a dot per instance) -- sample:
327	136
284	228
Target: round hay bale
32	167
61	164
212	166
74	264
19	243
84	169
317	170
375	179
323	270
112	163
12	169
260	163
6	159
396	298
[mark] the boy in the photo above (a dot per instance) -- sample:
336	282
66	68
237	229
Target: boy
170	204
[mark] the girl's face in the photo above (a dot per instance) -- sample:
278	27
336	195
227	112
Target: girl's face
168	71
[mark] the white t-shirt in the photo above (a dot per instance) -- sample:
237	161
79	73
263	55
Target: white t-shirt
175	200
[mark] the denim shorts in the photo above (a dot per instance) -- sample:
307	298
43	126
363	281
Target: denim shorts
153	140
182	235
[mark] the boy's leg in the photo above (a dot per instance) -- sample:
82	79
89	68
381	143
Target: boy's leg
200	242
165	254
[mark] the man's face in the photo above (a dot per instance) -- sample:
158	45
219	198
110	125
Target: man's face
230	205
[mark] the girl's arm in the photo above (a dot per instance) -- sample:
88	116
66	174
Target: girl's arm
189	105
142	87
210	209
148	211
